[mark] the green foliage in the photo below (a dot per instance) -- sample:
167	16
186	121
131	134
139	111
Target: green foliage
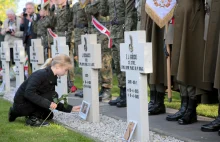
62	98
4	5
18	132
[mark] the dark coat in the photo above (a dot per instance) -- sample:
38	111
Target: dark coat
188	44
212	50
36	86
155	35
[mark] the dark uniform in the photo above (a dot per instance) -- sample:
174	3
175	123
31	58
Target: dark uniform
211	65
33	98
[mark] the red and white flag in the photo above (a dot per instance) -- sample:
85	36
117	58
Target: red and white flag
103	30
52	33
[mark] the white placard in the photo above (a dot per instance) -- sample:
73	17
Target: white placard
84	110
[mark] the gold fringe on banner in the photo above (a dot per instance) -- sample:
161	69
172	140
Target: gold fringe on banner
46	3
160	22
82	5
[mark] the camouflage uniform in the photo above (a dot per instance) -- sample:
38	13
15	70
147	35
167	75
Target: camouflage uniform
79	24
62	28
40	27
123	17
106	70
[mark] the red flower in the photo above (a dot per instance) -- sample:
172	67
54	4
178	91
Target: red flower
73	89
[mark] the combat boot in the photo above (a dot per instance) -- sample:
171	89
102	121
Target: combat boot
12	115
181	112
190	115
117	100
214	125
123	101
105	94
79	93
35	122
152	99
158	107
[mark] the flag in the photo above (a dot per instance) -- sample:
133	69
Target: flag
102	29
160	11
52	33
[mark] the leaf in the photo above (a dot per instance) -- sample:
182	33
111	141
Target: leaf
55	100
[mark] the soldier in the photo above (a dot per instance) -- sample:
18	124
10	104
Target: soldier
40	27
122	15
61	20
79	23
211	63
157	79
188	54
106	70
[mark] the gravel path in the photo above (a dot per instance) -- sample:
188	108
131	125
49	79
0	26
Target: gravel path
108	130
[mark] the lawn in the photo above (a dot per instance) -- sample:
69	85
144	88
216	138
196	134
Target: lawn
18	132
203	110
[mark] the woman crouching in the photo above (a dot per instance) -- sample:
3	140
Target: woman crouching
34	98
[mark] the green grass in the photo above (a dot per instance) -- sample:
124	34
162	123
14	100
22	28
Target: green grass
18	132
202	109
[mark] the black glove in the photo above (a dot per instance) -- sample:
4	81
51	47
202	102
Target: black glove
52	8
67	5
165	51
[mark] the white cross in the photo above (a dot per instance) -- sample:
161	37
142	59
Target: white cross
136	61
90	62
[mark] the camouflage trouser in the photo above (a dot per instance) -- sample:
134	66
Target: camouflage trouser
105	77
116	59
71	53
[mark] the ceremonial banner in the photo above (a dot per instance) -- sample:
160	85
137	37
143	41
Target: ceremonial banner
161	11
83	3
45	2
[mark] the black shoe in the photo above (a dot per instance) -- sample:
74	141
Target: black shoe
105	94
114	102
35	122
159	107
152	99
11	115
212	126
190	115
123	101
181	112
79	93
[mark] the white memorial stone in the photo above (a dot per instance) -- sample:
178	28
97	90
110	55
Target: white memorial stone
60	47
90	61
19	59
5	58
136	61
36	54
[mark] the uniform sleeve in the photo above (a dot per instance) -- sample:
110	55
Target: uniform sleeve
35	24
34	82
104	8
130	15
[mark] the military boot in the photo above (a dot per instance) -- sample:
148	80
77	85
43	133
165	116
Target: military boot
12	115
123	101
35	122
190	114
214	125
105	94
152	99
181	112
79	93
114	102
158	107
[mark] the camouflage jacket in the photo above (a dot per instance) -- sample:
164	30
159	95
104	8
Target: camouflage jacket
61	23
122	14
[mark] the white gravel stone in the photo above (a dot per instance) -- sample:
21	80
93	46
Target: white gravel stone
108	130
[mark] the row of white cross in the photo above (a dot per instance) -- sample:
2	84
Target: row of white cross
135	60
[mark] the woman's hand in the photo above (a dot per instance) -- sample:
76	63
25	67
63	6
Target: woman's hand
53	105
76	108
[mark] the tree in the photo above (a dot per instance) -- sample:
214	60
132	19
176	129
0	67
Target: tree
4	5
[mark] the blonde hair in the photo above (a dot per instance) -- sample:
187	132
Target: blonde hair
60	59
